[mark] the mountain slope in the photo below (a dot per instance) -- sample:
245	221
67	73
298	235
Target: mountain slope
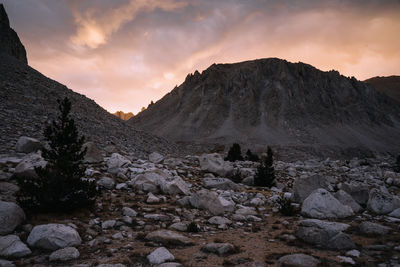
272	101
29	99
123	116
389	85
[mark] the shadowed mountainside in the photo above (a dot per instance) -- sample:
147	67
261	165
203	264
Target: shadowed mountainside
389	85
272	101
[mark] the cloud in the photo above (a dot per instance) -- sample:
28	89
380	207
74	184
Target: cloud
125	53
94	26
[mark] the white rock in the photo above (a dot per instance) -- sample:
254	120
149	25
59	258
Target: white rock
382	202
27	145
151	198
126	211
175	187
64	254
214	163
28	164
219	220
321	204
220	183
156	158
347	260
53	237
117	161
11	215
160	255
353	253
12	247
108	224
106	182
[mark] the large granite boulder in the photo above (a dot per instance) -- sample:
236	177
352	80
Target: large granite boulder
53	237
208	200
298	260
214	163
303	187
381	202
12	247
11	215
117	161
93	154
26	168
321	204
27	145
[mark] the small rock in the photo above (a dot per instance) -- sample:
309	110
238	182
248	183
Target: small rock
298	260
108	224
64	254
219	248
11	215
126	211
167	237
151	198
160	255
353	253
156	158
219	220
347	260
106	182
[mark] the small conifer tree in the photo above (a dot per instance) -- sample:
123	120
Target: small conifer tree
234	153
251	157
59	186
265	174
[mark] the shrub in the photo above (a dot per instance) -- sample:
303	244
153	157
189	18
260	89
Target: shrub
251	157
265	174
285	206
193	228
234	153
59	186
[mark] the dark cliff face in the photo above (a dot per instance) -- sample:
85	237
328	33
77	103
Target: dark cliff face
272	101
9	40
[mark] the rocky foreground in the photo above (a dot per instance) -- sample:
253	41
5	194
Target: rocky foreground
163	211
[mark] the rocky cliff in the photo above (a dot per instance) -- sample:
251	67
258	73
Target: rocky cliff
389	85
9	40
272	101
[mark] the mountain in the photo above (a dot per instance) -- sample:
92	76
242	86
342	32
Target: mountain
389	85
272	101
9	40
123	116
29	99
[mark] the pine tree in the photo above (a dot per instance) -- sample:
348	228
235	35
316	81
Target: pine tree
59	186
251	157
234	153
265	174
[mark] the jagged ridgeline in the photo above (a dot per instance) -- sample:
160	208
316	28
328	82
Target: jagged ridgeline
272	101
28	99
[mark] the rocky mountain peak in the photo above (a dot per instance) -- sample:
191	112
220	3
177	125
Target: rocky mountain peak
3	17
10	43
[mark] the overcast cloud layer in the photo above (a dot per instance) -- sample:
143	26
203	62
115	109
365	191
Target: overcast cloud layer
125	53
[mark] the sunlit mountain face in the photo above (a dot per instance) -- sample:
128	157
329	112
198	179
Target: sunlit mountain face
126	53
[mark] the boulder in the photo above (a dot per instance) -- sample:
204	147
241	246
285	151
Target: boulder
347	200
331	227
298	260
179	226
160	255
395	213
11	215
27	145
152	199
148	182
53	237
219	248
358	191
115	162
214	163
370	228
380	202
219	220
26	167
12	247
321	205
167	237
64	254
210	201
6	263
126	211
220	183
156	158
106	182
303	187
175	187
93	154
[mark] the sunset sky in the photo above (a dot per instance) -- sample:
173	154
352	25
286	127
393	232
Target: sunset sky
125	53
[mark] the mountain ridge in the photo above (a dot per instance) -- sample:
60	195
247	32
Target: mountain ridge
273	101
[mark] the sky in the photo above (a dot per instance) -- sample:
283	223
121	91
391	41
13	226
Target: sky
126	53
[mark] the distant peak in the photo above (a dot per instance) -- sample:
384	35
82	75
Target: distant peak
3	16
